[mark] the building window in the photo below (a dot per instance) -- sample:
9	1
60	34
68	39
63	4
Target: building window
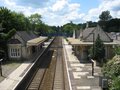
15	52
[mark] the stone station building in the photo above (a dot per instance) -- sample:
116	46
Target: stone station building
23	44
83	42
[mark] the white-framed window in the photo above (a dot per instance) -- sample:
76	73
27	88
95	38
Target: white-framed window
14	52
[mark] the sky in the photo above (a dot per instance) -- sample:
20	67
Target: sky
60	12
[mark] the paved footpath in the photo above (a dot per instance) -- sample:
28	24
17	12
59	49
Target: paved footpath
16	76
79	74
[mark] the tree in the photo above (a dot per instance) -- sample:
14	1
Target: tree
11	19
35	20
69	27
38	26
5	18
99	50
20	22
105	16
113	25
3	42
92	24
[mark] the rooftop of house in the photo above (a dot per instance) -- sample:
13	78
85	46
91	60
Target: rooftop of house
26	36
89	33
78	42
14	41
30	38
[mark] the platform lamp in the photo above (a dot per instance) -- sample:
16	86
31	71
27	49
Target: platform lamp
1	29
93	53
1	66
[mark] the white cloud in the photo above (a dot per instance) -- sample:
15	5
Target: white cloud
112	5
59	12
10	3
74	6
59	5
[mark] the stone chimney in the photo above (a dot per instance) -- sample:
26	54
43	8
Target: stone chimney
73	33
87	24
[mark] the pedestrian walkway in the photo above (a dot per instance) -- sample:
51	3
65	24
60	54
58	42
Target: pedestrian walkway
16	76
79	74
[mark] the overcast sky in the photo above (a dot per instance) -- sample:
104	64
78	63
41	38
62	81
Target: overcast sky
59	12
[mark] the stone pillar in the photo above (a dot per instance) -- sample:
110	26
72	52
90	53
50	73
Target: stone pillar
75	50
83	53
106	52
37	48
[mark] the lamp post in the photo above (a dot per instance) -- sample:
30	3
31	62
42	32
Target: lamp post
1	66
1	29
93	54
92	64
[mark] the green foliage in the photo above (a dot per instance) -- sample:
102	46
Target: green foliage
35	21
12	20
105	16
5	18
10	34
98	49
35	18
117	50
68	28
92	24
115	84
112	70
20	22
108	23
112	25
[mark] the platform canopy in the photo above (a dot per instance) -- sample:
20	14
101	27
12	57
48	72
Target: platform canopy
73	41
77	42
36	41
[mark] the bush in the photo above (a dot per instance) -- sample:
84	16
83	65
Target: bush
117	50
115	83
112	70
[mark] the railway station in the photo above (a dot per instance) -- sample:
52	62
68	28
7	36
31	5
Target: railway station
54	68
59	44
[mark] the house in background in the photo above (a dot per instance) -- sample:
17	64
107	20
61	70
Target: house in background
83	43
23	44
115	36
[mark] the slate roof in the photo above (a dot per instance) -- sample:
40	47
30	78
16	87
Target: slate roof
14	41
87	35
86	32
26	36
36	41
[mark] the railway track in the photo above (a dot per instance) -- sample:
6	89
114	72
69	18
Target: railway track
49	75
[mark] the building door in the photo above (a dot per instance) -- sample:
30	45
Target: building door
33	49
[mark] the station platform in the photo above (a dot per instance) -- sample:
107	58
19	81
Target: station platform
80	74
16	76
